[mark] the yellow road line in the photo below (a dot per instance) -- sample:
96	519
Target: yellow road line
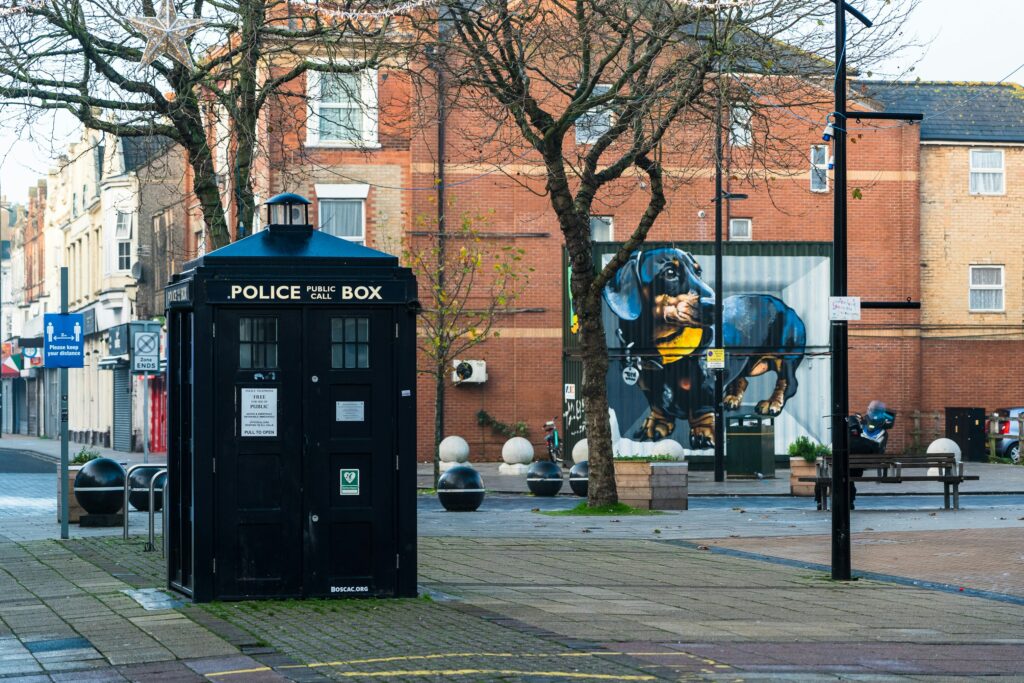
467	672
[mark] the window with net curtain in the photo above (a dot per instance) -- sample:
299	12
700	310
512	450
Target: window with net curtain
987	173
341	115
986	293
343	218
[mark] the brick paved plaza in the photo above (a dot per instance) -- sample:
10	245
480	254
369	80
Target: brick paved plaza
735	589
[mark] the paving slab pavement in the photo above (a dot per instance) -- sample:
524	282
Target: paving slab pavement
503	609
976	559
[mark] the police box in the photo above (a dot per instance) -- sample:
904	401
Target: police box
291	418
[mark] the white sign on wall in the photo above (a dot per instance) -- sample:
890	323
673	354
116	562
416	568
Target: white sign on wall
259	411
349	411
844	308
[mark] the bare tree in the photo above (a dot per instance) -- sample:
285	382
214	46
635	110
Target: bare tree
469	282
598	90
85	57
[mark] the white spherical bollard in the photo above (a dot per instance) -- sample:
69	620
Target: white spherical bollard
517	454
453	451
517	451
942	446
580	452
670	447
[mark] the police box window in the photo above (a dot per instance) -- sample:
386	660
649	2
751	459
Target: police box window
257	343
350	343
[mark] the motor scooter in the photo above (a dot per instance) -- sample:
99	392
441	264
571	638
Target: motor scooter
869	434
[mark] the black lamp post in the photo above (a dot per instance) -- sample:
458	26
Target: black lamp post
720	196
840	331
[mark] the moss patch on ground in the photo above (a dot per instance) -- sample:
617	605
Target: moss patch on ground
613	510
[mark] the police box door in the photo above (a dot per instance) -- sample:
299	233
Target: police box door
350	458
258	452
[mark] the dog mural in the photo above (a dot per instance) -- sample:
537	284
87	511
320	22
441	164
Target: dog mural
665	314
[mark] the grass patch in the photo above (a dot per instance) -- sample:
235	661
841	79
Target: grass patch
613	510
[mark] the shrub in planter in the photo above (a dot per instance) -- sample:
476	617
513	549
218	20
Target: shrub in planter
803	457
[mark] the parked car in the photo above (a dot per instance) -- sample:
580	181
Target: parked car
1008	445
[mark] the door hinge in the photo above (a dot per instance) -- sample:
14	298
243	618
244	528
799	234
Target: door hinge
398	561
396	461
213	330
215	565
214	460
396	330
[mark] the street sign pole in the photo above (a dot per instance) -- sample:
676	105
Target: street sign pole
64	497
145	417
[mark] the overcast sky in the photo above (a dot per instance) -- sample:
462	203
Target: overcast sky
979	40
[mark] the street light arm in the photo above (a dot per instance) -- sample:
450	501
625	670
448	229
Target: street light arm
855	12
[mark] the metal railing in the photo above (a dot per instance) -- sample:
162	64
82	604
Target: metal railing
150	544
127	485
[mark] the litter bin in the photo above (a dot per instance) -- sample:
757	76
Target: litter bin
750	446
292	424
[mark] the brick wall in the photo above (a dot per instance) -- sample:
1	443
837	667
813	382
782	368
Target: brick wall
901	228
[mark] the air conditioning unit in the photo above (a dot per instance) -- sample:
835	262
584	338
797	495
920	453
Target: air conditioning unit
469	371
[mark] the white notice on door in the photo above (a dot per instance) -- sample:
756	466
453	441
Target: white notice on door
259	411
348	411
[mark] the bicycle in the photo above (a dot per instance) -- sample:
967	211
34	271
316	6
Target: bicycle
553	442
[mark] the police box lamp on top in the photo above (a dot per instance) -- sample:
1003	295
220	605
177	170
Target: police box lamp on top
289	212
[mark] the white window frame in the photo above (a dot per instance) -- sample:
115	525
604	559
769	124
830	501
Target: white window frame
611	227
1001	172
741	131
368	105
122	225
603	112
119	255
350	191
733	237
819	167
1001	287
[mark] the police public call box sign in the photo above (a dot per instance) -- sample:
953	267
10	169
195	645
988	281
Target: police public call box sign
63	340
328	292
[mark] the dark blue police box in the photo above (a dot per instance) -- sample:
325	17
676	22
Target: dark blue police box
291	418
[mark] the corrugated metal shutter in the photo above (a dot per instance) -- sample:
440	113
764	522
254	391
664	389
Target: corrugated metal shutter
122	409
797	272
32	387
51	400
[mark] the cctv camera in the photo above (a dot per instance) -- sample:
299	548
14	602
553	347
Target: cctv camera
701	213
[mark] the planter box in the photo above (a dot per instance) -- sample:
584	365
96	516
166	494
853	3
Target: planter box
75	511
652	485
798	467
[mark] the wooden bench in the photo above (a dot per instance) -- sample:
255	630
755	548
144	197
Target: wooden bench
893	469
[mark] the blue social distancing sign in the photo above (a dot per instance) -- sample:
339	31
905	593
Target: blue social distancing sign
63	340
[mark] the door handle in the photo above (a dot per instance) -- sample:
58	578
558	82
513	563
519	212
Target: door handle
314	518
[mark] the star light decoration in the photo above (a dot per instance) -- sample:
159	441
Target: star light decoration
166	33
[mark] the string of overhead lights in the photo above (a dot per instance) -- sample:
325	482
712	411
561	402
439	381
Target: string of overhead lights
20	9
391	11
365	14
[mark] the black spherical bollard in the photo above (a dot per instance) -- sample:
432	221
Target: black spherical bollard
460	489
544	478
579	478
138	489
99	486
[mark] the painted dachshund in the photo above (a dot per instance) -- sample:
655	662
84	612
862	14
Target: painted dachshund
666	315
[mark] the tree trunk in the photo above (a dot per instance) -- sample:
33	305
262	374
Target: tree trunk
439	388
252	18
189	123
208	194
594	390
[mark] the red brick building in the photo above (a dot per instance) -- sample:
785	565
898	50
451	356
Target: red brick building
375	183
